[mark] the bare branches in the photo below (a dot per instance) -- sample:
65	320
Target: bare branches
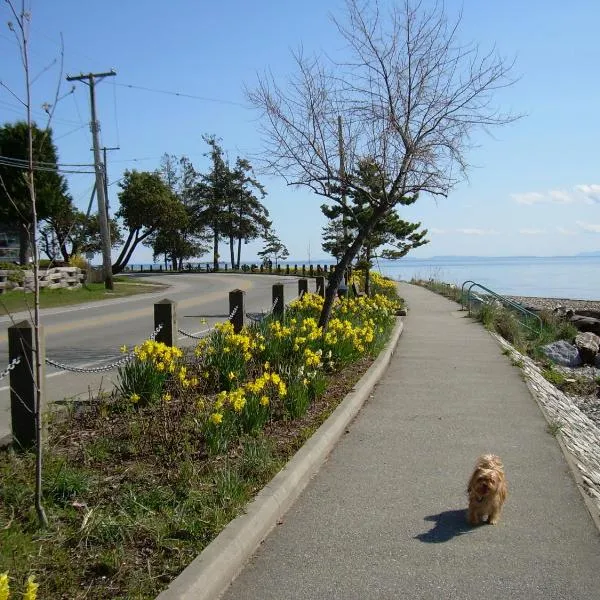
410	93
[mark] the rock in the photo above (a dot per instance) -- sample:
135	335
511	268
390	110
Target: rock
562	353
586	324
588	345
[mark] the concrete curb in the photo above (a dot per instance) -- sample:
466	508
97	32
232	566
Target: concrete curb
211	572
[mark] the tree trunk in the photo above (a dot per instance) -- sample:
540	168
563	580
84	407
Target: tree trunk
338	273
215	250
368	271
232	250
239	252
24	243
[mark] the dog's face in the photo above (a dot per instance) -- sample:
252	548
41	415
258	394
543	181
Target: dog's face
485	482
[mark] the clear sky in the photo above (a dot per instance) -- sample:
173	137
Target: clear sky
534	187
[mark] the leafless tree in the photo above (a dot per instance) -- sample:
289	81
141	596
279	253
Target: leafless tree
19	25
410	95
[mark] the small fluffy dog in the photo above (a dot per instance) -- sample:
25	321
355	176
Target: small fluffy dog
487	490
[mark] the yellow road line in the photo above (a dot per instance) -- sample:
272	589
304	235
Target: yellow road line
147	311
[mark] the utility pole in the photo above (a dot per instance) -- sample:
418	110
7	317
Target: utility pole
104	149
343	185
90	80
342	175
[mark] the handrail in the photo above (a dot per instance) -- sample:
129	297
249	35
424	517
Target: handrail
504	300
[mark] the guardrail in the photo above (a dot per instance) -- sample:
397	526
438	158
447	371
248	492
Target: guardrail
527	315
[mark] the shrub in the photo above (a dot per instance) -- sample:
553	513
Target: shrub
76	260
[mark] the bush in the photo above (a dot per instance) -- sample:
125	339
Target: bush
78	261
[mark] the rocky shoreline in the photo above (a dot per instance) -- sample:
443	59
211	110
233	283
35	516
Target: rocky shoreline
577	306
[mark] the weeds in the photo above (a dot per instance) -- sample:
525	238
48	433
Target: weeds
554	428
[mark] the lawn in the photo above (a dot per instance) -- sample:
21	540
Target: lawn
11	302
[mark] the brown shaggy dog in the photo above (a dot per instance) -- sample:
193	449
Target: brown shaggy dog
487	490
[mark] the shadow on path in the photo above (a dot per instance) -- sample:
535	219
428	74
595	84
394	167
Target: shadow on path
448	525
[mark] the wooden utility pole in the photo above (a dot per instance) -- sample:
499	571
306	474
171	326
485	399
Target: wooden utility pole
90	80
343	186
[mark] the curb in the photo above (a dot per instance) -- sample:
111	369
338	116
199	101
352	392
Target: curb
212	571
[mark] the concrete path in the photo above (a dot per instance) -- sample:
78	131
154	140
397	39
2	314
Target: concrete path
384	518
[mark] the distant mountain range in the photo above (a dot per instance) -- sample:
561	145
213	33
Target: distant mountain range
595	253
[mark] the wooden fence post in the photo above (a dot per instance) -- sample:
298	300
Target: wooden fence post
302	287
22	382
320	283
165	314
236	302
278	307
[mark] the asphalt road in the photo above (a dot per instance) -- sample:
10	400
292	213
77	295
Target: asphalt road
91	335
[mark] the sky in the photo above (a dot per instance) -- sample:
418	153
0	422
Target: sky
534	185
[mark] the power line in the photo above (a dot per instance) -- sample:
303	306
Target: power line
44	163
182	95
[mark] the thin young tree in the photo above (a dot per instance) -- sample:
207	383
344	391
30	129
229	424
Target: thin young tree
410	96
20	26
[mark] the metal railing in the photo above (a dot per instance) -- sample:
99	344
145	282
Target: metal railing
526	315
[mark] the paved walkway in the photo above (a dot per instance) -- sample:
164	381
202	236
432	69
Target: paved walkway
384	518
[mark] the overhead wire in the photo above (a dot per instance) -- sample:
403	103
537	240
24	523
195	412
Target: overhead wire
182	94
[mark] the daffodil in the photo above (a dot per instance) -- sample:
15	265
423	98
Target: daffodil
4	587
31	589
134	398
216	418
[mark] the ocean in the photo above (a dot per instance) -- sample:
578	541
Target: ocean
573	277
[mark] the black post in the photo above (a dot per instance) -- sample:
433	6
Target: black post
236	303
302	287
320	285
278	301
22	383
165	314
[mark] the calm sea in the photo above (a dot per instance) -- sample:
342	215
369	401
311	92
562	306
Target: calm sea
574	277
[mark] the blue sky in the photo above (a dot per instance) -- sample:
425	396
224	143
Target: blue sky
535	184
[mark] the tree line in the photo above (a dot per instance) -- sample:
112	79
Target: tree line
176	210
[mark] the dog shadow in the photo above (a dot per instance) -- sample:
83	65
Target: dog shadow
448	524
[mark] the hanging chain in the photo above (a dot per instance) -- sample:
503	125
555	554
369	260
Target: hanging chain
13	363
129	356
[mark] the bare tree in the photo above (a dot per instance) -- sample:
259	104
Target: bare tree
19	26
410	95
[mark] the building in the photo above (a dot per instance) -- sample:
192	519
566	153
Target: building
9	244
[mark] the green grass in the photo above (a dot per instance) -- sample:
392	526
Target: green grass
554	428
11	302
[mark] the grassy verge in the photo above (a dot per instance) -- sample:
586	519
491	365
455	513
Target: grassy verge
11	302
137	484
507	323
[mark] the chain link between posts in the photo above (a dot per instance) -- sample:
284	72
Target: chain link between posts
13	363
129	356
200	334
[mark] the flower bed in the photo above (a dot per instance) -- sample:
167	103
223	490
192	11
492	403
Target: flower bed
137	484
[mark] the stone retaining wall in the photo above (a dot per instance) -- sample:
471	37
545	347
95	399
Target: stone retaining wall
53	278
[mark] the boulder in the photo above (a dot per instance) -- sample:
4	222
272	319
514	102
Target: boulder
588	345
563	353
586	324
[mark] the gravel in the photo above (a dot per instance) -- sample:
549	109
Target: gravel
552	303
